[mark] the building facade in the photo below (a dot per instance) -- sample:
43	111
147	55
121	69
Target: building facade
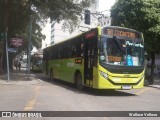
58	35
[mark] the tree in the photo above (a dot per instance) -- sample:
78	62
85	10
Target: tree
69	10
15	17
14	20
144	16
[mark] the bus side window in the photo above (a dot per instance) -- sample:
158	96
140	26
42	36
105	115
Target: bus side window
69	50
65	50
62	51
56	52
52	52
73	50
78	48
59	52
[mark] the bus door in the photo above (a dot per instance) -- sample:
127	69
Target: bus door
89	56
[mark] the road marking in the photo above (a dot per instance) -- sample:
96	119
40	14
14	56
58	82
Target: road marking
29	106
142	91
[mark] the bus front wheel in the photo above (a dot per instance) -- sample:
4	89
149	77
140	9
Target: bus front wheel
79	81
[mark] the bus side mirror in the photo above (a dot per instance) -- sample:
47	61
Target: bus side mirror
145	55
100	44
102	57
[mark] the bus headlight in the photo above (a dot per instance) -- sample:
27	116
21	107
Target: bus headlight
103	74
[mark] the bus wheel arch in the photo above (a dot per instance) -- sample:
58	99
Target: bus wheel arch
78	80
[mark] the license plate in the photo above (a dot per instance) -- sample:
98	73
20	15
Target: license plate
126	87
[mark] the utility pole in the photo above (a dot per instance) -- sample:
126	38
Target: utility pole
8	77
29	44
6	40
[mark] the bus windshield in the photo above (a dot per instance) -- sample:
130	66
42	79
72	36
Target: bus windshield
123	51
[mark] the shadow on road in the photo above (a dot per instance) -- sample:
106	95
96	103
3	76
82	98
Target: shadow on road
86	90
108	92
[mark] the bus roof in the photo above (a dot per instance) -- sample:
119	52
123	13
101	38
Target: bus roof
72	37
92	29
65	40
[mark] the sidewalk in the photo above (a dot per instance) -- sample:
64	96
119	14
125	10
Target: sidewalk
156	83
19	78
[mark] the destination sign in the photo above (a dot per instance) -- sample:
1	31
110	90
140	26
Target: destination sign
121	32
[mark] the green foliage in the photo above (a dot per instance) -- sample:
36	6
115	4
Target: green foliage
142	15
17	20
70	11
15	16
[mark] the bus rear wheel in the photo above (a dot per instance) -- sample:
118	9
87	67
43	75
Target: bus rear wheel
79	85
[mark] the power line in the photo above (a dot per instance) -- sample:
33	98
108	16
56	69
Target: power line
105	10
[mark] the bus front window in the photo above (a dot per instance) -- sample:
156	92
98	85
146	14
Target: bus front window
122	51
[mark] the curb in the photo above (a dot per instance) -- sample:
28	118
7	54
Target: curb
154	86
156	83
32	81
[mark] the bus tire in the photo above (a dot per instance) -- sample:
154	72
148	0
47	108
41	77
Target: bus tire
51	75
79	85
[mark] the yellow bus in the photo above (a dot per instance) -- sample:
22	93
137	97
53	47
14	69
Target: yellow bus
102	58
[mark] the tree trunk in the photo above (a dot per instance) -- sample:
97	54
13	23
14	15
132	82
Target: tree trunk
152	67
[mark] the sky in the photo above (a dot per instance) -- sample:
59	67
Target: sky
103	5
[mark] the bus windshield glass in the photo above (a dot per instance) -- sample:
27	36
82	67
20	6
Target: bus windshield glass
123	51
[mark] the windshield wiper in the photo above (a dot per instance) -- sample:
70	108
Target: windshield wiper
118	44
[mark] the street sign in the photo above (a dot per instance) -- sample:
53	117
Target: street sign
16	42
12	49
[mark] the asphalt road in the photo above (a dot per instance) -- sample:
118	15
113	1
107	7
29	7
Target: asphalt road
58	96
